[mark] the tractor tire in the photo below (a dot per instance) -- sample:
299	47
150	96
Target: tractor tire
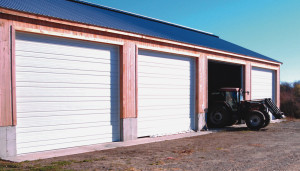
218	117
267	119
255	120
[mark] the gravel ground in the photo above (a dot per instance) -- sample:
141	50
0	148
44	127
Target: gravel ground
276	147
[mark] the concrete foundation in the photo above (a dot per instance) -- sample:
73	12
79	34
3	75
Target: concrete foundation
128	129
201	121
8	147
98	147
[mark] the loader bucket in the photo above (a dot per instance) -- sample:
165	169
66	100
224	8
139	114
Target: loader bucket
273	108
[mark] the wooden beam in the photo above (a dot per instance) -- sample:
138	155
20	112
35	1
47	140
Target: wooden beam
265	66
226	59
5	73
13	75
136	81
202	84
277	82
197	84
68	35
247	80
167	50
127	80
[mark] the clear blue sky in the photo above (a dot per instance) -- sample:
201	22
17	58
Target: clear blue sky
269	27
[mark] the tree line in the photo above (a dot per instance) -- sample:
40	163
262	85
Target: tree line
290	99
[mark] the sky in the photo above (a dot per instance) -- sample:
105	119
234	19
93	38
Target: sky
269	27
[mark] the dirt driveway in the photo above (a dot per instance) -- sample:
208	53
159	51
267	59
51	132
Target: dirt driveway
275	148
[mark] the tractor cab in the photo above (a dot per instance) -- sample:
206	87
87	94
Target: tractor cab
233	97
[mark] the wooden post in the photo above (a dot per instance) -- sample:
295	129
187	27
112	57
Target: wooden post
128	97
128	91
5	73
247	81
201	91
277	82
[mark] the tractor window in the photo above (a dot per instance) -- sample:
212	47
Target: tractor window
231	99
241	97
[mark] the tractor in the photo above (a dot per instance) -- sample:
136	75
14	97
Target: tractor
227	107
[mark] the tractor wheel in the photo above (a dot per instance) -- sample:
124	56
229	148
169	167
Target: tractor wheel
267	119
218	117
255	120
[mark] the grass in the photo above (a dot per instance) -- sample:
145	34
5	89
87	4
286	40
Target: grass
58	165
9	165
53	166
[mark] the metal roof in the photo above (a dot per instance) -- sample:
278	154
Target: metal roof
88	13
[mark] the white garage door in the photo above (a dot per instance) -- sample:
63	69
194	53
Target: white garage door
166	94
262	83
67	93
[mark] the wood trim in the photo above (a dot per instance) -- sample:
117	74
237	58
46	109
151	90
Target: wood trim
277	82
121	81
205	75
5	73
60	21
198	102
202	70
66	35
1	106
247	80
128	103
242	62
13	75
167	50
136	81
222	59
198	85
264	66
250	95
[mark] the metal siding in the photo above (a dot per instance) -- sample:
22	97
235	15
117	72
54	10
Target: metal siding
115	19
67	93
166	86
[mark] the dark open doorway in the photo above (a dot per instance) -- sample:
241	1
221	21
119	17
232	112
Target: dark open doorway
222	74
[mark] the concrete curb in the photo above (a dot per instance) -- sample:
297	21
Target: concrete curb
99	147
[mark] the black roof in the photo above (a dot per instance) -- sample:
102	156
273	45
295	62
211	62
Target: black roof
88	13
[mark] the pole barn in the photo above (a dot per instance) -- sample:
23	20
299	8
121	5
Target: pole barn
74	73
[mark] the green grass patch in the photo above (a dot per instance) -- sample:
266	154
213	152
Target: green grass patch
9	165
